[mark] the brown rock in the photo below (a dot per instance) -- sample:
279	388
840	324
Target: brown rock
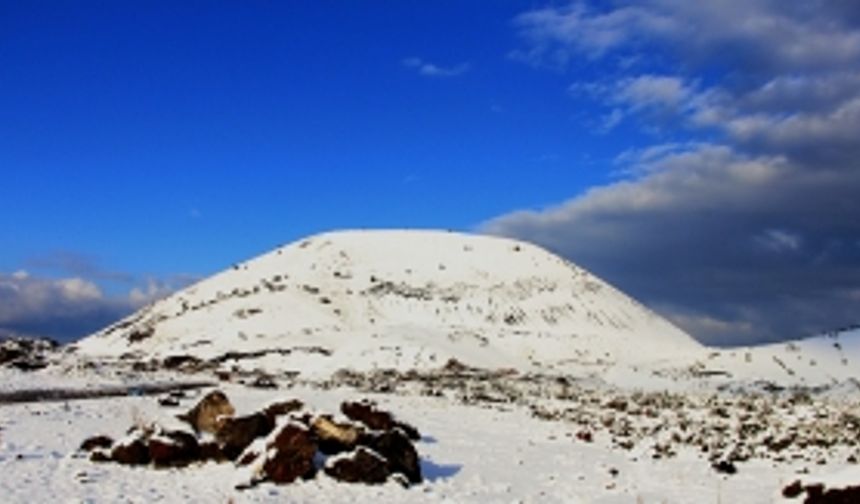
398	450
133	452
174	449
94	442
99	456
364	466
283	408
235	434
291	455
375	419
334	438
210	451
793	490
209	413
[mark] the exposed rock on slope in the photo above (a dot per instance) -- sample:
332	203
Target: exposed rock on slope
400	299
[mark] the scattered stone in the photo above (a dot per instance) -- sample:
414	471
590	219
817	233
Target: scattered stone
168	402
585	436
725	467
209	413
362	466
94	442
263	382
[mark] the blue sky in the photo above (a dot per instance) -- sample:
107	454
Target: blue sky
145	144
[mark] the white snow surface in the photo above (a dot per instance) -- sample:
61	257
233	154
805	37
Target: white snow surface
401	299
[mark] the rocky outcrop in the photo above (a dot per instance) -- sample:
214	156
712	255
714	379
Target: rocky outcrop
210	413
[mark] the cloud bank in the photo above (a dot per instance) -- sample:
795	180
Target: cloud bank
68	308
746	226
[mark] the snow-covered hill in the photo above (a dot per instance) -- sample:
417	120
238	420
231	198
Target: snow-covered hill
402	299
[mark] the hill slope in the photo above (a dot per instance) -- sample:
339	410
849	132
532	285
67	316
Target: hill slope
404	299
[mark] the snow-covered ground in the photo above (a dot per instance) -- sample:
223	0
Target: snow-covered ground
470	453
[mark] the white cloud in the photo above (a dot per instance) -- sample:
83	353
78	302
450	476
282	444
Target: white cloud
428	69
779	240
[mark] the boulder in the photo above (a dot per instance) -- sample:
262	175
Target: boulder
376	419
333	437
290	455
90	444
209	413
398	450
174	449
277	409
362	466
237	433
132	451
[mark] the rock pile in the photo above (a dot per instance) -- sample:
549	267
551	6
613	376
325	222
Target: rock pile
281	443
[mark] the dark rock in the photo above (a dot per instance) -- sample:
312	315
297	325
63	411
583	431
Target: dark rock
174	449
725	467
133	452
210	451
237	433
209	413
585	436
793	490
263	382
275	410
168	402
364	466
290	455
375	419
99	456
396	447
94	442
184	362
333	437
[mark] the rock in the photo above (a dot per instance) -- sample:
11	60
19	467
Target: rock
263	382
182	362
133	451
793	490
375	419
94	442
334	438
209	413
168	402
290	455
585	436
398	450
99	456
363	466
237	433
725	467
174	449
210	451
283	408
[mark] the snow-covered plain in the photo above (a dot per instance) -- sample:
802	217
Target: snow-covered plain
561	388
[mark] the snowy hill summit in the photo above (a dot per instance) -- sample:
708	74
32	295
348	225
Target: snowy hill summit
399	299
